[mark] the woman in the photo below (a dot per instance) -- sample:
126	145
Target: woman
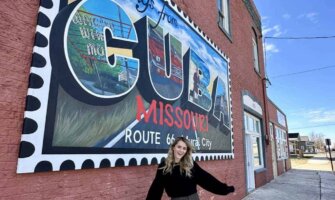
179	175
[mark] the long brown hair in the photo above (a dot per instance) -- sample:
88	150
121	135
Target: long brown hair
186	162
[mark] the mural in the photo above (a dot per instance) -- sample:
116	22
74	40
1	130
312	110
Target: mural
114	82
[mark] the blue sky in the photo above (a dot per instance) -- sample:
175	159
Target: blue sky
307	99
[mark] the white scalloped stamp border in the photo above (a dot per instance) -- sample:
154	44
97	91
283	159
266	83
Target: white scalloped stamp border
28	164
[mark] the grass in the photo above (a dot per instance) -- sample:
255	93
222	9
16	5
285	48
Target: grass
81	125
300	161
319	162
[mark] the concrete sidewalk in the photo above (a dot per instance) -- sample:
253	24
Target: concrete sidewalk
298	184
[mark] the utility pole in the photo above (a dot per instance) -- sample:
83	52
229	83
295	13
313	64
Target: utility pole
328	143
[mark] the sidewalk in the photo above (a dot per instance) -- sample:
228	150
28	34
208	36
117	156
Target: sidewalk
298	184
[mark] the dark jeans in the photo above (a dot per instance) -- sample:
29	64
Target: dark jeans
190	197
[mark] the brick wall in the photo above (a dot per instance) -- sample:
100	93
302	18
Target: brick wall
288	164
243	75
273	118
18	24
16	42
280	166
269	167
260	178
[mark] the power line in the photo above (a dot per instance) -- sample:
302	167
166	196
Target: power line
305	71
300	38
295	38
311	126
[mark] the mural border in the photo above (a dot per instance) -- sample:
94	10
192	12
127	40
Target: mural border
31	158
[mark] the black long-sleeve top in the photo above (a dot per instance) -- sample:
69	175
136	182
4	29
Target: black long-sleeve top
179	185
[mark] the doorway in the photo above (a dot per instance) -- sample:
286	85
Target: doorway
249	163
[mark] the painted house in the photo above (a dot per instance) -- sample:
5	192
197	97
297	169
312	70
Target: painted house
94	92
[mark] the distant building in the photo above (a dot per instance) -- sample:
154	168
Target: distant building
294	139
306	145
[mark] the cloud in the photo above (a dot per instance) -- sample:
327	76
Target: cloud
129	7
264	18
265	30
312	17
271	48
321	115
274	30
286	16
315	116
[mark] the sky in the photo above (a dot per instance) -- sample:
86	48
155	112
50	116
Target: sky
307	99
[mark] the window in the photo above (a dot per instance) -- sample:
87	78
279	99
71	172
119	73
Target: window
281	137
253	127
223	15
256	151
255	51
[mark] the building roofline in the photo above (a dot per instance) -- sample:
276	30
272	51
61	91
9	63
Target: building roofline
275	106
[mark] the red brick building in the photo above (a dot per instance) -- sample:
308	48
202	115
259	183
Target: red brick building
279	132
38	160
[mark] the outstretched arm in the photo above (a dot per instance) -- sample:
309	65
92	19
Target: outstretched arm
157	188
210	183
